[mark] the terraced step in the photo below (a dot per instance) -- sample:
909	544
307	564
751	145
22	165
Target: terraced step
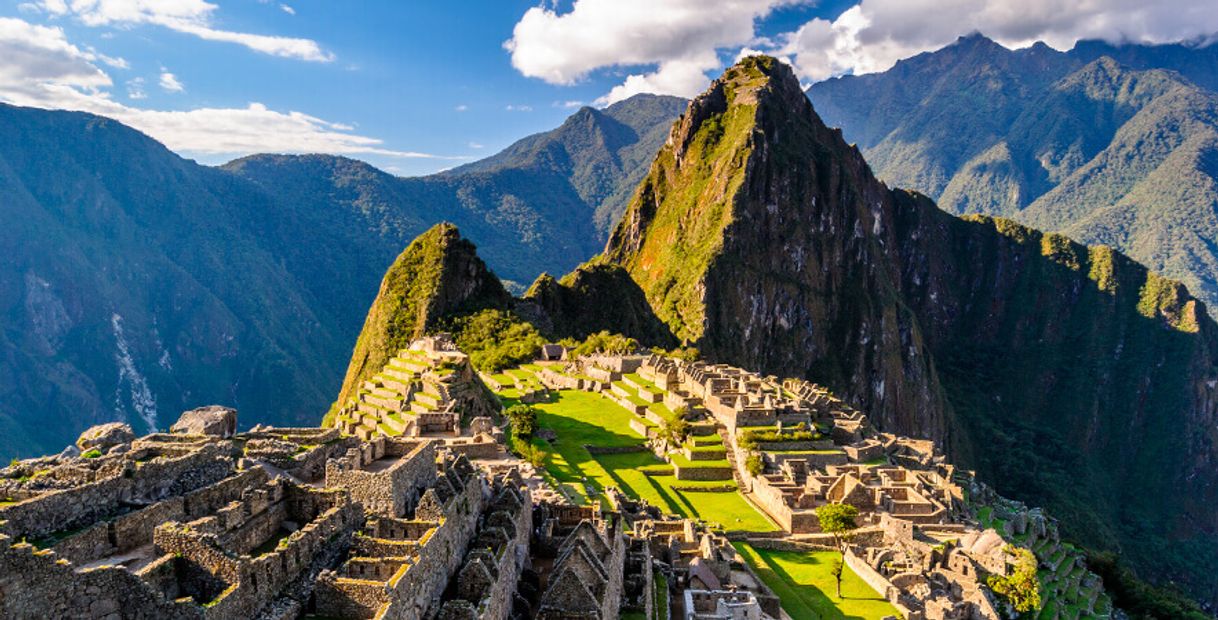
428	400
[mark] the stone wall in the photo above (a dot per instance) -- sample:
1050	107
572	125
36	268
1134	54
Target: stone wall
138	482
453	504
702	473
492	568
388	490
328	517
35	584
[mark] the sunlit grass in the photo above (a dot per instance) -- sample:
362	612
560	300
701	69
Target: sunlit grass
805	584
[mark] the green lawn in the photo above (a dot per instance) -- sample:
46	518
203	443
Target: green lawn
804	581
580	418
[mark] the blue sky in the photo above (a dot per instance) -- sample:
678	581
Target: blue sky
416	87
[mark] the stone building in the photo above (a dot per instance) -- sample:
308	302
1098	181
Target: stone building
273	523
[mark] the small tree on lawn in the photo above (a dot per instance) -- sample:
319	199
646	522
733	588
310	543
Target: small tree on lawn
839	520
524	421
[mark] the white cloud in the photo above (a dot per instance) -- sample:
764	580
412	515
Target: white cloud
287	9
135	89
461	108
193	17
169	82
39	67
677	42
475	145
679	37
518	108
874	34
574	103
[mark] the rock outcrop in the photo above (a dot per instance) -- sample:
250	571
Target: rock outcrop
212	420
105	436
594	297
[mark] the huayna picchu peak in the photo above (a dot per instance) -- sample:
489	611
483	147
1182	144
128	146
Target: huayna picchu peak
761	238
782	390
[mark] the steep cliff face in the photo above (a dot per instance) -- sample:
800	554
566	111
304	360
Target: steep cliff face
753	238
439	274
1069	376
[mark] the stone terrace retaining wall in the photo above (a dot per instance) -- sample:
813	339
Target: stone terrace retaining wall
68	509
34	584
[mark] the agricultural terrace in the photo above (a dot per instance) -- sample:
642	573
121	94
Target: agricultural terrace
580	419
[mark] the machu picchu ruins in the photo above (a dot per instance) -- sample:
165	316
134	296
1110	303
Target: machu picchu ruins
411	503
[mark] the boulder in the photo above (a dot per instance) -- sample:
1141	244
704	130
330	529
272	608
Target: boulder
481	424
211	420
105	436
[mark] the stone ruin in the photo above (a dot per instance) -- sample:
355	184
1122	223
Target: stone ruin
918	541
409	508
426	390
271	523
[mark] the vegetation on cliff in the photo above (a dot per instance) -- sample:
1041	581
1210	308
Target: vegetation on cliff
437	277
1069	375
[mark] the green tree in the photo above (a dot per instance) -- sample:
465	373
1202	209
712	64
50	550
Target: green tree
524	421
1019	587
840	521
674	429
496	339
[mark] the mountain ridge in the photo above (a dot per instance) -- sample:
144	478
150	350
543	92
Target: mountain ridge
1106	143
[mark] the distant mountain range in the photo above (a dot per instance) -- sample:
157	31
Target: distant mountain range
1111	144
138	283
135	284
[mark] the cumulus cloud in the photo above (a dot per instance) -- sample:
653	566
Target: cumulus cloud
518	108
676	43
40	67
193	17
169	82
874	34
287	9
680	38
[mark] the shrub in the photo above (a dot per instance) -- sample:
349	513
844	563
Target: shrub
91	454
1020	587
496	339
605	342
529	452
754	464
750	439
674	429
524	421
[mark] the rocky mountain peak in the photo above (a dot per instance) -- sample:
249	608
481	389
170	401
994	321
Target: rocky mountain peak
437	275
